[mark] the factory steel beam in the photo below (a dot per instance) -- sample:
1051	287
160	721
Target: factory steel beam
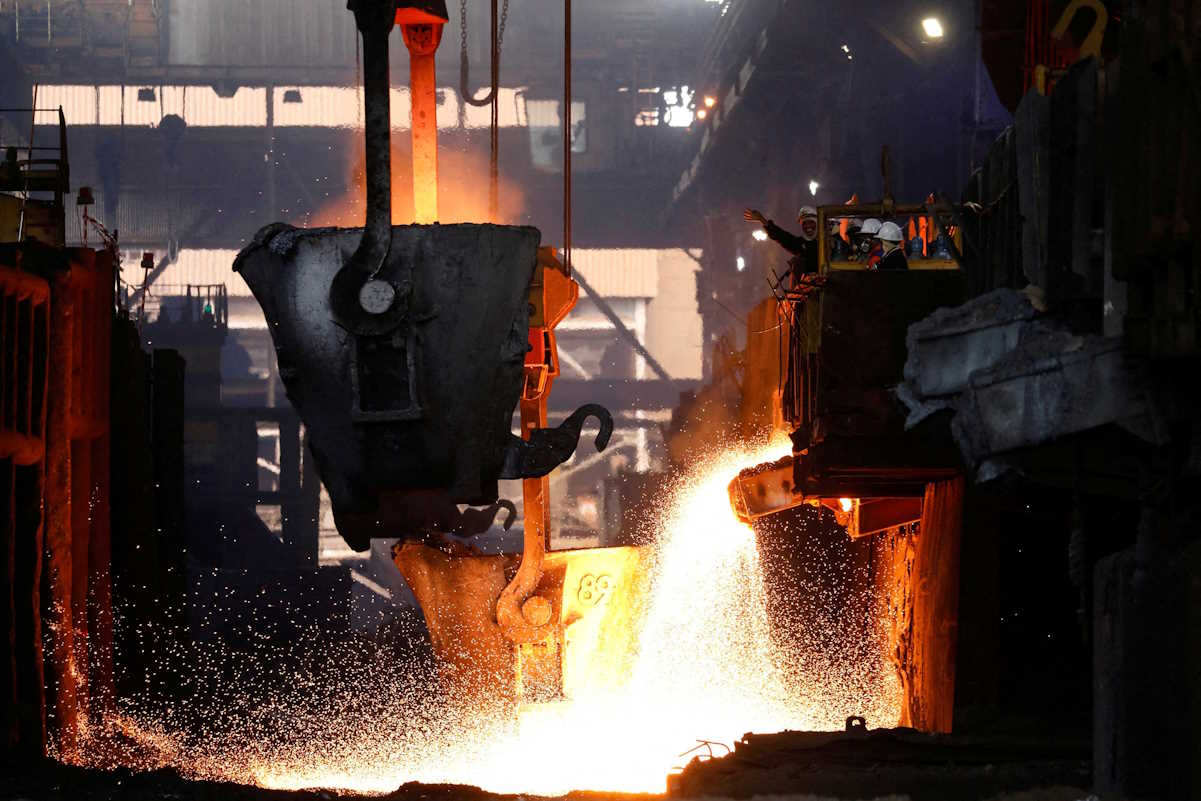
622	331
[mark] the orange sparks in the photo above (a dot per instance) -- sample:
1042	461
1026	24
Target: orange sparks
706	666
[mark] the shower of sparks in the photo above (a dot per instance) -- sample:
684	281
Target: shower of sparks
367	718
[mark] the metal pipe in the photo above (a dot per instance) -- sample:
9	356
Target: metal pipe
567	135
422	41
494	133
269	198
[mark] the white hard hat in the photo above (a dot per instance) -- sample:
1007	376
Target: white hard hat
871	226
806	211
890	232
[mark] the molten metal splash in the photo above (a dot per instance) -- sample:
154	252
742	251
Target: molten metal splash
707	668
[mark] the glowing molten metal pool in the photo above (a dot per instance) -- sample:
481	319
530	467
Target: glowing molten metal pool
707	667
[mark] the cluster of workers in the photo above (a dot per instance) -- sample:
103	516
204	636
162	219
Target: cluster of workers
878	245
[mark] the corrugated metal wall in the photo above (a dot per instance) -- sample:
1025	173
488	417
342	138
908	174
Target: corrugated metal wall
613	272
321	34
313	33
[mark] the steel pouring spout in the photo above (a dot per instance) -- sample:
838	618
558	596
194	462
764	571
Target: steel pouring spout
587	603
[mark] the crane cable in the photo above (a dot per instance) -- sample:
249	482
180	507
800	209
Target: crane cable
567	135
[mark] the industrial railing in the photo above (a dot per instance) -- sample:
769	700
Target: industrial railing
193	304
28	168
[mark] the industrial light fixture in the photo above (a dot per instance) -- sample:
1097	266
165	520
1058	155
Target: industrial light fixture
813	187
701	114
759	235
846	48
292	96
146	95
710	101
932	27
679	111
740	263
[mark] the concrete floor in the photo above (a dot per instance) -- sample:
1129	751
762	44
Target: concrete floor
51	781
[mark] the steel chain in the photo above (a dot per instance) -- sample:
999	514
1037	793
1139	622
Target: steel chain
500	31
463	29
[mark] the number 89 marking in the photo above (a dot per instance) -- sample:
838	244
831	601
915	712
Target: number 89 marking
594	589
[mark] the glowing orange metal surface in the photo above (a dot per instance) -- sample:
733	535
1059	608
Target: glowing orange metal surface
592	598
422	41
533	612
409	15
552	295
659	645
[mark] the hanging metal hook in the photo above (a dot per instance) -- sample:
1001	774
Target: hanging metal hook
547	448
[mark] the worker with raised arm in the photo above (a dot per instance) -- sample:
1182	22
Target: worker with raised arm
803	248
892	255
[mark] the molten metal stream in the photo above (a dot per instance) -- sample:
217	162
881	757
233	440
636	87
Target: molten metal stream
707	668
